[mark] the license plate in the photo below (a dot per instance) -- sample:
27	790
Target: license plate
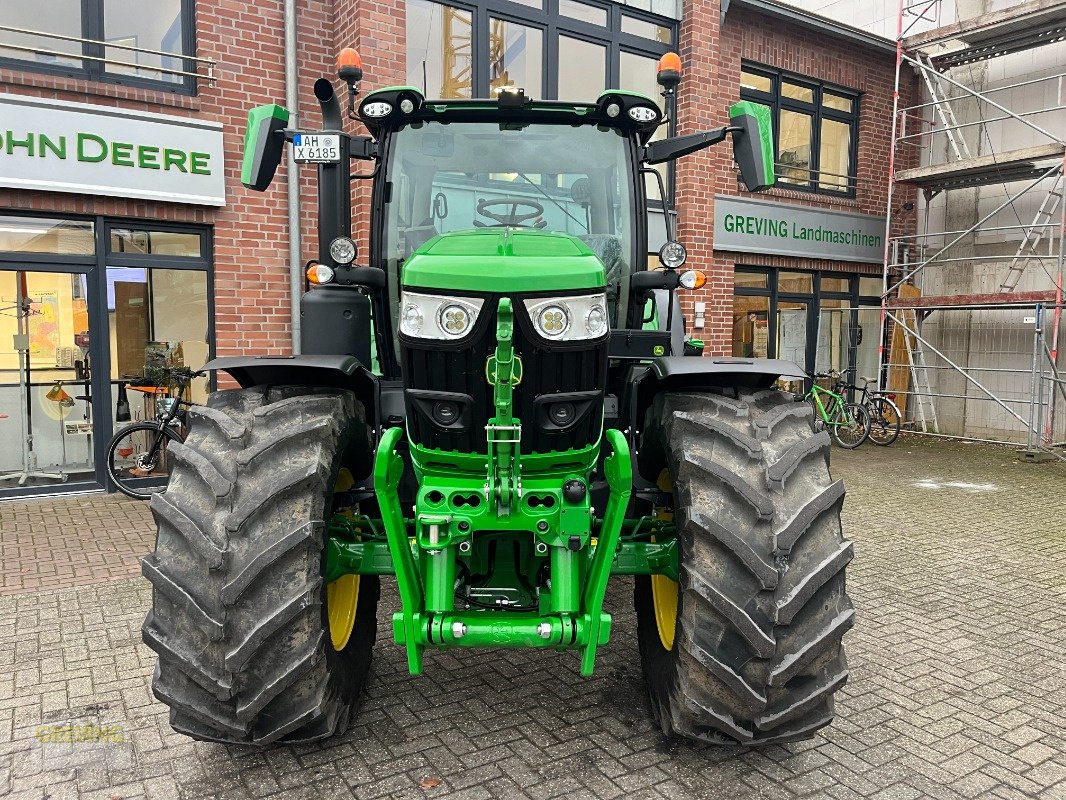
316	148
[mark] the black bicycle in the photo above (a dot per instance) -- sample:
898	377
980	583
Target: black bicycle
138	457
885	416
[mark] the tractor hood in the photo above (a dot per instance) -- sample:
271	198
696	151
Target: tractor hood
505	261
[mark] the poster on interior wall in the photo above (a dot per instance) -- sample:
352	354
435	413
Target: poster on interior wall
44	327
792	335
760	338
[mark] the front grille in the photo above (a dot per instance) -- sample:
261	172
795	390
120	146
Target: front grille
459	370
462	370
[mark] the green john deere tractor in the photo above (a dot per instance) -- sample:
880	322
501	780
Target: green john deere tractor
501	411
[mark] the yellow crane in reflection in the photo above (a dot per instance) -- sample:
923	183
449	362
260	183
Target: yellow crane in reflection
456	46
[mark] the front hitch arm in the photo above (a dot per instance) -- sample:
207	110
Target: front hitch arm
618	468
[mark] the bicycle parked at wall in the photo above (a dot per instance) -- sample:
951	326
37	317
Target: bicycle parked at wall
848	424
138	457
885	416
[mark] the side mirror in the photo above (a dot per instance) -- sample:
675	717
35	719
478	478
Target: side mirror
264	143
753	144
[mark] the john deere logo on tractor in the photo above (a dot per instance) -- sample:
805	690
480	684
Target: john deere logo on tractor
496	407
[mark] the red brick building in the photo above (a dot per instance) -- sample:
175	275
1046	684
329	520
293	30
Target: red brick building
123	221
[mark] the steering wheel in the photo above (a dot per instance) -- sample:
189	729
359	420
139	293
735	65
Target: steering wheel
514	217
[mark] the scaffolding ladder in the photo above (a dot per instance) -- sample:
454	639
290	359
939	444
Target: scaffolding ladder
924	413
1033	236
942	105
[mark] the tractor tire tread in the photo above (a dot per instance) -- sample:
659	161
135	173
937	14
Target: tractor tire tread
757	654
238	621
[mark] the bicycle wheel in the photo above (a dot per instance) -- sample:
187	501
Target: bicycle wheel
138	461
850	425
884	421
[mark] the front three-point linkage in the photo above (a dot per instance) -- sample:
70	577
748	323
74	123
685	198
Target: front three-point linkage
503	371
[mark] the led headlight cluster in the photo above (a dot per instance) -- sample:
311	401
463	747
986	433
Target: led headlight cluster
377	109
433	316
567	319
643	113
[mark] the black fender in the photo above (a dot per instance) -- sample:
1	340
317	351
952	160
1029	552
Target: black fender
339	371
382	399
679	374
308	370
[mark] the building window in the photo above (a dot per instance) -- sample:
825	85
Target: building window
819	320
816	128
554	49
119	41
90	310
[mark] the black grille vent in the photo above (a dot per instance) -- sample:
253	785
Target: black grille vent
463	371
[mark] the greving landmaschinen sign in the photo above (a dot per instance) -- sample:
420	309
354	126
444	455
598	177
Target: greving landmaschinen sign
778	228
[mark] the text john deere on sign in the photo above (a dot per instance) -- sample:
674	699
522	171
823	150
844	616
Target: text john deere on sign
777	228
84	149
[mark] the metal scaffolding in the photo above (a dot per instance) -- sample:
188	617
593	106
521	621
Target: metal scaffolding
972	293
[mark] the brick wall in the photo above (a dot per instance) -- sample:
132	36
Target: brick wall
251	235
711	84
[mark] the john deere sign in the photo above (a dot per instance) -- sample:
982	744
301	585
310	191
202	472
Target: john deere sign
84	149
758	226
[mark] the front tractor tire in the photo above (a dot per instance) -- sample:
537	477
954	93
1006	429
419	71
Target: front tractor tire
253	647
747	648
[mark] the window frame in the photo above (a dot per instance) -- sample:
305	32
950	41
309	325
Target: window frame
94	266
92	28
817	111
553	24
813	300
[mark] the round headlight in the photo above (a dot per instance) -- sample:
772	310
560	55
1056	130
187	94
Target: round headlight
613	110
596	321
454	320
643	114
672	255
377	109
407	105
552	321
411	319
342	250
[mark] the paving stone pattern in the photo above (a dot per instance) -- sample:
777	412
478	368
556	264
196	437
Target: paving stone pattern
957	687
73	541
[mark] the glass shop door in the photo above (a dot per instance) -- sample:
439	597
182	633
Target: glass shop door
46	408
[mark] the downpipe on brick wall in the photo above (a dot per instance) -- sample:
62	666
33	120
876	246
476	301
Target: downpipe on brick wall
292	183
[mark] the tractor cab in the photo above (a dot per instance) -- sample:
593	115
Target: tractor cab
551	169
503	168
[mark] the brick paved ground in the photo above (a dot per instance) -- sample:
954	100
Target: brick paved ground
957	688
74	541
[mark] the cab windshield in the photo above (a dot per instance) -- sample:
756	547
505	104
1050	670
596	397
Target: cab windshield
461	176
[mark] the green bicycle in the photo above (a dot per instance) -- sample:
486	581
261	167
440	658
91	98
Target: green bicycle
848	423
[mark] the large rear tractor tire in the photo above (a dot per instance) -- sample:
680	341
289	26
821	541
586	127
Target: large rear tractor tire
253	647
747	648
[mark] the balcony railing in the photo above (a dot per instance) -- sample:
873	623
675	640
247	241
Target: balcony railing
207	64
